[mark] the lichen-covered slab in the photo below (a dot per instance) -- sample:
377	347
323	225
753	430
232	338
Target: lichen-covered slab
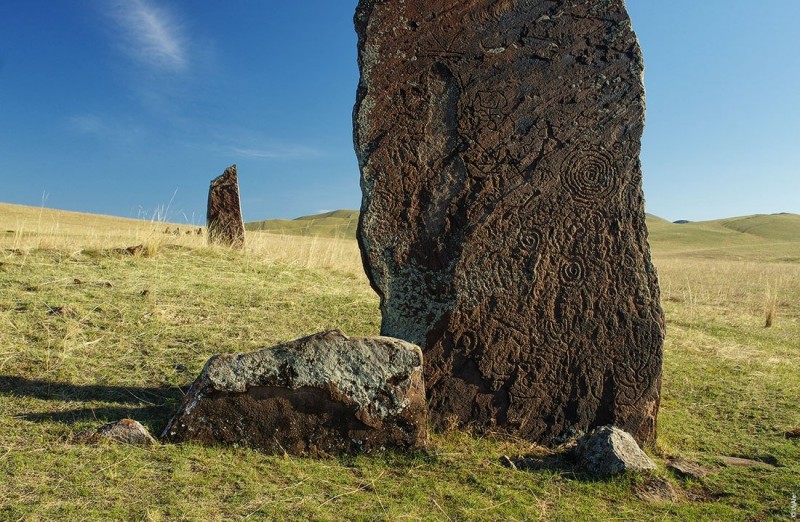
224	215
323	394
502	218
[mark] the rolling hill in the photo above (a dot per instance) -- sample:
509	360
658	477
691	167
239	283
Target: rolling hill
337	224
759	237
735	236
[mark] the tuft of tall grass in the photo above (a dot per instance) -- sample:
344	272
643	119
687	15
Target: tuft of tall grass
772	309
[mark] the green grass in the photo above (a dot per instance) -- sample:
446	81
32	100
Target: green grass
336	224
91	335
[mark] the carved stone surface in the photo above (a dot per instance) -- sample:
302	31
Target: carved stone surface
319	395
224	215
502	220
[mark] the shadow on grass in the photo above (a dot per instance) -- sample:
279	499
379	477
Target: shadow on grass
151	405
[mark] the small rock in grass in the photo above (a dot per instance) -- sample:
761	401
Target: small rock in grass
793	433
656	490
687	469
63	311
125	431
506	462
129	251
608	450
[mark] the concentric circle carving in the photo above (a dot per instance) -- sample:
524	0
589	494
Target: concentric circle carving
590	175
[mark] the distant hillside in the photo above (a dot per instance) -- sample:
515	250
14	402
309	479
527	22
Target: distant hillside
341	214
738	235
778	227
765	237
651	218
775	227
338	223
759	237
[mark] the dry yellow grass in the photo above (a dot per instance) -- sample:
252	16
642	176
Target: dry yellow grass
25	228
90	334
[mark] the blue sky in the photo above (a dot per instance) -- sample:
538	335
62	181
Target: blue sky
131	107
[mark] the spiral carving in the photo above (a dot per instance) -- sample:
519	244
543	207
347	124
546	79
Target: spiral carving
572	271
590	175
530	239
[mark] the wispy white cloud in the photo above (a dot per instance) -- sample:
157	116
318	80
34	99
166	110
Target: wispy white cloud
96	126
150	34
278	152
87	124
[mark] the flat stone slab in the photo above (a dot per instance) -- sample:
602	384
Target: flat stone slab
739	462
319	395
503	221
224	212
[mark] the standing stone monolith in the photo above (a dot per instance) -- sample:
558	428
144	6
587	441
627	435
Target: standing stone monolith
503	222
224	215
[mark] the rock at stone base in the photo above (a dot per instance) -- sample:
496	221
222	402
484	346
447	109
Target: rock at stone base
687	469
323	394
224	213
125	431
609	451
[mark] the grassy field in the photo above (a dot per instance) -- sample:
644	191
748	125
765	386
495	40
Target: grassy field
93	333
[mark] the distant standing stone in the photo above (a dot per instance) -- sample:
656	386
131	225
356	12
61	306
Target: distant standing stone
503	222
323	394
224	216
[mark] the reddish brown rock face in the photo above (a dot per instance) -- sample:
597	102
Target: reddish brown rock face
224	215
502	218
